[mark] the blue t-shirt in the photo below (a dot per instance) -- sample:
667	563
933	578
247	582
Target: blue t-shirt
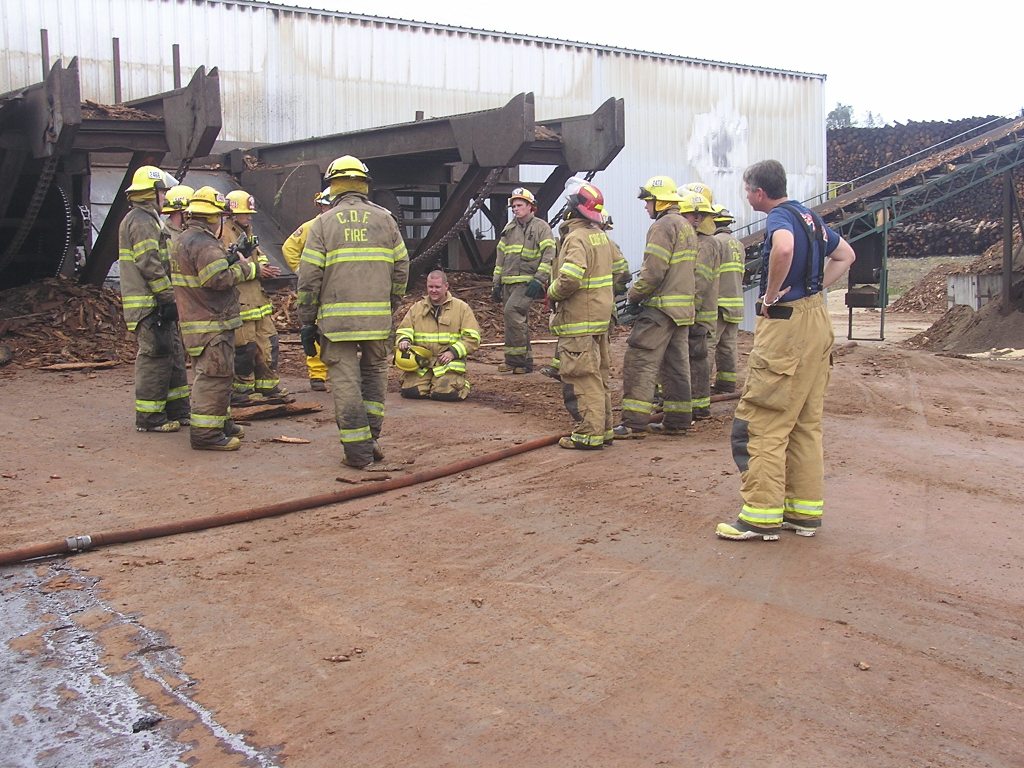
781	217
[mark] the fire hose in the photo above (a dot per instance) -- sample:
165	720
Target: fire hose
81	543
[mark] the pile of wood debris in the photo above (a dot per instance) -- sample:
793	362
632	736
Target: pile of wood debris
58	320
475	290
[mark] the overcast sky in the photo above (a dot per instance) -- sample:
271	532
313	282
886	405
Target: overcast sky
901	59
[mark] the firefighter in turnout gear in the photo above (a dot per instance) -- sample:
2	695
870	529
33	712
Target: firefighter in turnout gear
776	431
174	206
659	340
696	210
255	379
730	302
446	331
205	275
150	311
522	270
581	292
292	252
354	271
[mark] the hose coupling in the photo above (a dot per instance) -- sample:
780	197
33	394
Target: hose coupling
78	543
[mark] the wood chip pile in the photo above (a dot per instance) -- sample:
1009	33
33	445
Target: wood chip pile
58	320
965	224
475	290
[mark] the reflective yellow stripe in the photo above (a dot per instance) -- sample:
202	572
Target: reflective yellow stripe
138	302
356	309
178	393
315	258
359	435
210	326
204	421
211	270
373	408
670	300
637	406
765	518
587	328
150	406
185	281
572	270
579	437
676	406
357	335
346	255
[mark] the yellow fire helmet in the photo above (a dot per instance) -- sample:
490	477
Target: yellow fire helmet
700	189
240	201
522	193
177	198
412	359
347	167
660	188
207	201
148	177
722	215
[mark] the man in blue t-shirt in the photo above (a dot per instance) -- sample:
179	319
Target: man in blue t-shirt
776	432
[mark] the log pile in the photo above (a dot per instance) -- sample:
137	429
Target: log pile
965	224
58	320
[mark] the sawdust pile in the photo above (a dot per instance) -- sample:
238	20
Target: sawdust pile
962	330
57	320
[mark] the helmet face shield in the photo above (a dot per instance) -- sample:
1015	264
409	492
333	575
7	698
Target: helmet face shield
660	188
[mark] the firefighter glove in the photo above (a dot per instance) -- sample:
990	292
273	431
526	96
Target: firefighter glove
168	312
496	292
310	335
535	289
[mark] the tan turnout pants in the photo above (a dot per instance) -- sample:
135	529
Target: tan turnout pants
161	384
656	344
359	379
211	389
585	368
776	433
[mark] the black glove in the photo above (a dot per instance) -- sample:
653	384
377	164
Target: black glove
246	244
233	255
496	293
168	312
535	289
310	336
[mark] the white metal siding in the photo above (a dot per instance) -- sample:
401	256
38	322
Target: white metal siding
287	73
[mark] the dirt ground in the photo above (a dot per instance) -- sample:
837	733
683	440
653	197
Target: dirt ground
555	609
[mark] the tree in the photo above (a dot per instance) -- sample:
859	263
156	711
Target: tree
840	117
873	121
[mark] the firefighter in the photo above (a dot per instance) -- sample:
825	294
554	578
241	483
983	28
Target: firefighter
435	337
174	206
255	378
205	275
621	278
730	302
292	251
522	270
150	311
353	274
581	293
776	431
662	300
697	211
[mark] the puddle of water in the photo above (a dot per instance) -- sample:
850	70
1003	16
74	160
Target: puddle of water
59	707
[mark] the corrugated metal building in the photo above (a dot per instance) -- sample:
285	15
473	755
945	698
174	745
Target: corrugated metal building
288	73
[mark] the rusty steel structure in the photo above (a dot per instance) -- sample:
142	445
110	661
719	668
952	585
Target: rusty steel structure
48	140
435	174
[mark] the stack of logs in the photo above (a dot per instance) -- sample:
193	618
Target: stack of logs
965	224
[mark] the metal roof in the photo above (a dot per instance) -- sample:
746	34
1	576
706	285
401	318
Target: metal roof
548	41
